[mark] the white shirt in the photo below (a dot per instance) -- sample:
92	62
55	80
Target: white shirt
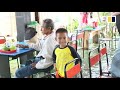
115	64
115	13
46	46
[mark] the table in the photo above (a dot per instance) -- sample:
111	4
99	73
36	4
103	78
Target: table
95	34
4	61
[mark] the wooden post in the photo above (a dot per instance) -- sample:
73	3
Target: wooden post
95	35
22	18
86	40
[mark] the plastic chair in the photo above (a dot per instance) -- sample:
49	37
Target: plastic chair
103	51
74	41
80	36
94	60
47	72
97	59
71	73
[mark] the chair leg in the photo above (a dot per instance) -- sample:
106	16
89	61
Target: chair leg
18	63
109	44
115	44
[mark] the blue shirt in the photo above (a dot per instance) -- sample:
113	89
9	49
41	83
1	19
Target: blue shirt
115	65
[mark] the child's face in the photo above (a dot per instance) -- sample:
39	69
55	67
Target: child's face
62	39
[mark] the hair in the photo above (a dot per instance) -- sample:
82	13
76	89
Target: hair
61	30
30	32
48	23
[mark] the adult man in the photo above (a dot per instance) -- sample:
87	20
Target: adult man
117	14
46	46
115	65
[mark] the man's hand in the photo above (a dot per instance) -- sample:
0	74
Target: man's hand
21	46
33	65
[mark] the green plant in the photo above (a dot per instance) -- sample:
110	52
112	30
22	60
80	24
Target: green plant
73	25
109	26
100	15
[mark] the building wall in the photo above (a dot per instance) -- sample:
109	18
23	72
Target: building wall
22	18
8	24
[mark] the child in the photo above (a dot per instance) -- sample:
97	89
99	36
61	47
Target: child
63	53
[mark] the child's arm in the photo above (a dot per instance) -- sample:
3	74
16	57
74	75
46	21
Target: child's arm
75	54
54	59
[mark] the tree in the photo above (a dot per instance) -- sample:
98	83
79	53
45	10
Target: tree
73	25
109	26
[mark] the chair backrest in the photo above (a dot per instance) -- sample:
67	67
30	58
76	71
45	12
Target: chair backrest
103	51
74	39
80	35
94	60
2	39
76	69
74	45
48	73
73	42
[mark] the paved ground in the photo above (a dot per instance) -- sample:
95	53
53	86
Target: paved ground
95	69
